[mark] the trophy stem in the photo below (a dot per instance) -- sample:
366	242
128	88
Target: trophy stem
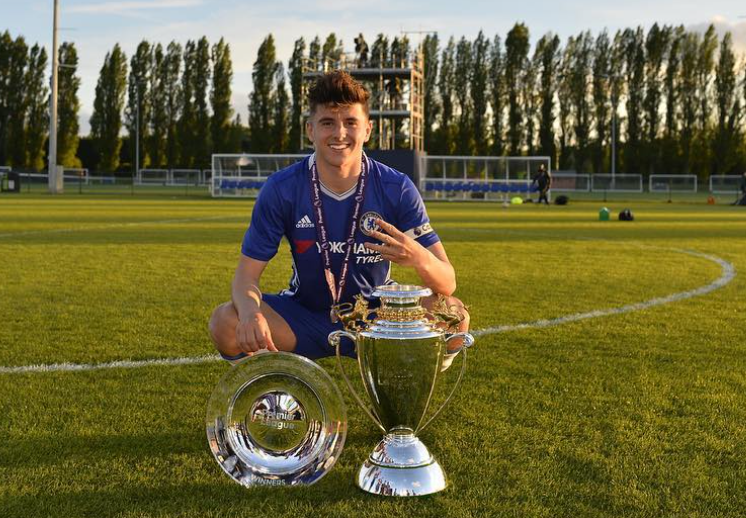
401	465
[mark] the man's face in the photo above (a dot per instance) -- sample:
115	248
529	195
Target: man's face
338	133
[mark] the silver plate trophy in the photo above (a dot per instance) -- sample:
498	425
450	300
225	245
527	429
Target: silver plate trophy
276	419
400	355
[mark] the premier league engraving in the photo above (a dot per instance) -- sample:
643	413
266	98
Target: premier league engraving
276	419
400	355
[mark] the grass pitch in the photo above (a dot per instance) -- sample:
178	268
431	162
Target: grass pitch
635	414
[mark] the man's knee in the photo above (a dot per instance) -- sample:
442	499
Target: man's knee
222	325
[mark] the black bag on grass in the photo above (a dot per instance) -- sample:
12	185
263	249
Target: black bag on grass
561	200
626	215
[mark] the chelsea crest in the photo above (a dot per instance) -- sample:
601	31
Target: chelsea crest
368	222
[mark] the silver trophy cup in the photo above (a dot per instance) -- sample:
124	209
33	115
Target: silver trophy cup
400	354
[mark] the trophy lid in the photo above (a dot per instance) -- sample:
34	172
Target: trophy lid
401	293
276	419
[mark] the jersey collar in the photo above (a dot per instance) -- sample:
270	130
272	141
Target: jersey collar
329	192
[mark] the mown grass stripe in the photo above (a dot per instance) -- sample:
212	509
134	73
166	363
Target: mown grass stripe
112	225
728	273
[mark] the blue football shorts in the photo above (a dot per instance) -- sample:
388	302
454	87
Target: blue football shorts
311	329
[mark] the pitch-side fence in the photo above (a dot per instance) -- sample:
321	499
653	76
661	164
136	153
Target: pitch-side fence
172	181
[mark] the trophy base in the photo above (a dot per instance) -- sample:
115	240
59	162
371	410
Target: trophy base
401	465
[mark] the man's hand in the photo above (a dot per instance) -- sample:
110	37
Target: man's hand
253	334
397	247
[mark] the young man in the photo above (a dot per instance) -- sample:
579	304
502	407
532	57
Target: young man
334	198
543	181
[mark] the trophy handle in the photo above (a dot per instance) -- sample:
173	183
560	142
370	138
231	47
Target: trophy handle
334	341
468	342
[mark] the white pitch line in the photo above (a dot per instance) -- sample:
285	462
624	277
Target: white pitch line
728	273
111	225
121	364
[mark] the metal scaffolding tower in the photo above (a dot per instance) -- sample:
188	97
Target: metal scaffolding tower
397	104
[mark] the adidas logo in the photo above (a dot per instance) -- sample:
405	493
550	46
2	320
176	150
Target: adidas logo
304	222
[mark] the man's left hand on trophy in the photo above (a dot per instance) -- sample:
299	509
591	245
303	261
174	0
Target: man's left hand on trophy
401	249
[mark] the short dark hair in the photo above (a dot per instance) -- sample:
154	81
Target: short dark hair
338	88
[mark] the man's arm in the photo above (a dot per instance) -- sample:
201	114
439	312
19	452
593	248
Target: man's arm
431	263
252	331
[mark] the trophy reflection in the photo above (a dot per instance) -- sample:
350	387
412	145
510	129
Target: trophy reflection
400	355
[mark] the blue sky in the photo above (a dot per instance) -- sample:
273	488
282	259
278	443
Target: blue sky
96	25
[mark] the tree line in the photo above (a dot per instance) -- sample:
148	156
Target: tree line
175	101
674	98
24	115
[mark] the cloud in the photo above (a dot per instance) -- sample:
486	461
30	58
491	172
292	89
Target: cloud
125	8
723	25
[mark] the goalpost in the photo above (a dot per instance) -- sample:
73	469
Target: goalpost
478	178
668	183
725	183
616	182
241	176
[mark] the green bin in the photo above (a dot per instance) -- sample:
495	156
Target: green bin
604	214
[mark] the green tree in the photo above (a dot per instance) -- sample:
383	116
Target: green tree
331	53
261	100
602	78
430	50
17	104
295	68
445	139
498	94
701	157
580	71
138	110
530	100
516	55
564	93
314	54
705	67
547	50
68	106
220	98
280	124
479	92
202	74
187	118
728	109
379	57
158	119
239	136
656	50
37	99
687	92
670	155
106	121
461	86
6	46
635	79
169	83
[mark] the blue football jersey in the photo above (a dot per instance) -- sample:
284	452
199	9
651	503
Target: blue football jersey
284	208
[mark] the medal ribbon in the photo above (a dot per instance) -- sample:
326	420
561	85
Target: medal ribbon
323	236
